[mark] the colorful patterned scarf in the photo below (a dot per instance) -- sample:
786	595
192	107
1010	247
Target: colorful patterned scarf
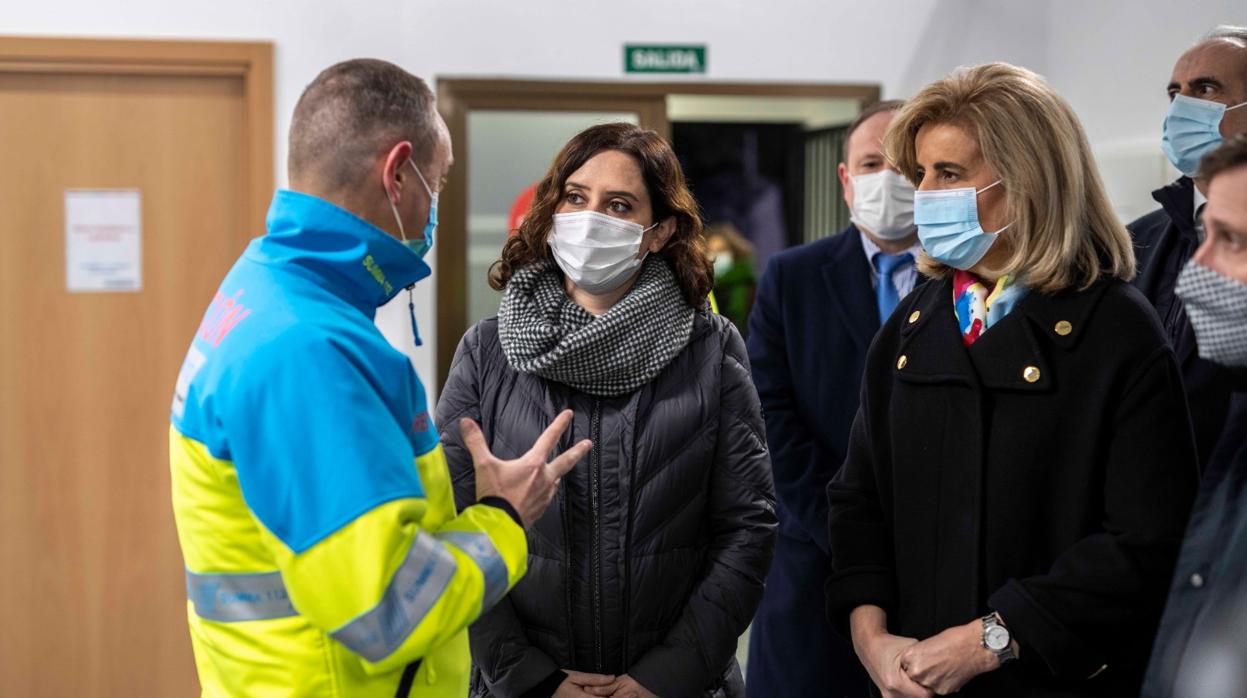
978	309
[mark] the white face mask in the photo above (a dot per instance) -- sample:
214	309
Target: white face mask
883	204
596	251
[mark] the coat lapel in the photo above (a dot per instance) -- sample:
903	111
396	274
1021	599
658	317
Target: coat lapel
931	350
1015	354
1008	357
1030	337
847	278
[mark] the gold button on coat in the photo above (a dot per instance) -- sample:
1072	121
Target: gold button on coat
900	363
1031	374
913	317
1063	328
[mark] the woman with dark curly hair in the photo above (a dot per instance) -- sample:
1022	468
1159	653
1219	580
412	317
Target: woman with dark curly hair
650	563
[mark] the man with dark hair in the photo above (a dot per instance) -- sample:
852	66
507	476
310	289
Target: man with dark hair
324	555
1208	102
817	308
1199	650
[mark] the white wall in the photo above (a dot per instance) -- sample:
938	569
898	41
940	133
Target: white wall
1112	60
1110	57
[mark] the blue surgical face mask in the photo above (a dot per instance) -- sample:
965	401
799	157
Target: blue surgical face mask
422	245
1192	128
948	226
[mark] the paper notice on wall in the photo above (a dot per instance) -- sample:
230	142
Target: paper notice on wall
103	240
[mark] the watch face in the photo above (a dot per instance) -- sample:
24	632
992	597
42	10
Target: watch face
996	638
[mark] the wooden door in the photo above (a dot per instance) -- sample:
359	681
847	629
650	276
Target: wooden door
92	593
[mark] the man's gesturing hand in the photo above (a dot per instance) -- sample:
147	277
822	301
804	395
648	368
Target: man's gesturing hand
528	482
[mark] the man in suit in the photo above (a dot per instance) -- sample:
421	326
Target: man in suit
817	308
1208	102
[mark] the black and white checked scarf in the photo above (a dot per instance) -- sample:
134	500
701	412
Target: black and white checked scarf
543	332
1217	306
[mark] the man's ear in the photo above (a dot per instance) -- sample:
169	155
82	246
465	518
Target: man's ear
846	183
392	170
661	235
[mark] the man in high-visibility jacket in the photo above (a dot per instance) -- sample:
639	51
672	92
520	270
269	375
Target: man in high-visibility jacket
324	555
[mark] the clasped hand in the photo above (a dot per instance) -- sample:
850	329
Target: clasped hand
581	685
940	665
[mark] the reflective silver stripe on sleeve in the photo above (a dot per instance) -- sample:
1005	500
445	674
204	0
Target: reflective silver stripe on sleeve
237	597
415	588
480	548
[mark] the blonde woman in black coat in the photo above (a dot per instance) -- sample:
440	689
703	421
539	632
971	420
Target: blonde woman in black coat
1022	465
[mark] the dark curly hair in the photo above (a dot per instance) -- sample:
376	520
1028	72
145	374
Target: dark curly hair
685	251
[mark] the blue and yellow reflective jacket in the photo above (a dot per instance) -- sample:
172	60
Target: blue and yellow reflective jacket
313	504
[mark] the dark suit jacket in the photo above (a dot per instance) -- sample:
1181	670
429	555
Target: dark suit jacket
812	321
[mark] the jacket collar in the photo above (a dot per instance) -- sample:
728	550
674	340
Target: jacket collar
847	278
1015	354
1178	200
349	256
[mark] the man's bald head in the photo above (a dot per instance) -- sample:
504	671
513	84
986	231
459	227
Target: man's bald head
353	113
1215	68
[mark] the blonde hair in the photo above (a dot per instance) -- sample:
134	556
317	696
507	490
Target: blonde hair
1063	232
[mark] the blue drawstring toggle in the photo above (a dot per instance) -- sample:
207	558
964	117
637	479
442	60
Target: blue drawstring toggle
411	309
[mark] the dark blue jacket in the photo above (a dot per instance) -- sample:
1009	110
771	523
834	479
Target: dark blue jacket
1164	240
812	321
1209	584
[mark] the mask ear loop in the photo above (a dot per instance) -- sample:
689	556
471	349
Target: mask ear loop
643	232
980	191
411	296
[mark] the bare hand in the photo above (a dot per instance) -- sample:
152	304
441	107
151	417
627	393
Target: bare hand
946	662
528	483
881	656
623	687
576	683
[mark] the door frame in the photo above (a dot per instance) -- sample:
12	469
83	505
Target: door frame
456	97
252	61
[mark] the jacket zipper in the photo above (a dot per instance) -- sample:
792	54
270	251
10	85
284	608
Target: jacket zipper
567	575
595	483
627	556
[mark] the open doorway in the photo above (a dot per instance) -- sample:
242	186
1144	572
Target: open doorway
760	157
758	168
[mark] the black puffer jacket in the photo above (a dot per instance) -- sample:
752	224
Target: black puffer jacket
651	559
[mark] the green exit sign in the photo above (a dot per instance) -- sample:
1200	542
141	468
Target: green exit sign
642	58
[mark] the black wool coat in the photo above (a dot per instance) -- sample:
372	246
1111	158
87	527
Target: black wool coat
1045	472
651	559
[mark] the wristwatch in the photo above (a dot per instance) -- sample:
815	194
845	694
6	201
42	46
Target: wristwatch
996	639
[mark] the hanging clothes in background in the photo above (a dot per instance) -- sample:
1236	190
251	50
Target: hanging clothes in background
752	202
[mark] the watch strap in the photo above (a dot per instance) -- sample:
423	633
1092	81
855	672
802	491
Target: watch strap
1004	655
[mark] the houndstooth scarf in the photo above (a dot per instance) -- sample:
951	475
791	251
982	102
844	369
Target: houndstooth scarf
543	332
